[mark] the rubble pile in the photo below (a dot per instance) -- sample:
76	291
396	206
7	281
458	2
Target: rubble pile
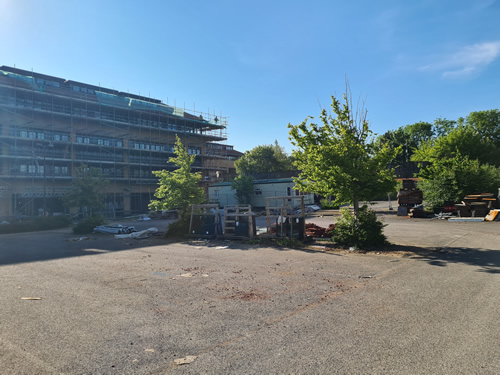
316	231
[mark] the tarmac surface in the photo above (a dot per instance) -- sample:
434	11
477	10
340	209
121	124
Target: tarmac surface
124	306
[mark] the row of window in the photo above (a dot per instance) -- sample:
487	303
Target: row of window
102	141
151	146
93	140
82	89
218	146
39	134
40	170
161	147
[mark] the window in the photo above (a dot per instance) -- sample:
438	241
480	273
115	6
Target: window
40	135
79	139
86	140
258	191
57	137
65	138
216	194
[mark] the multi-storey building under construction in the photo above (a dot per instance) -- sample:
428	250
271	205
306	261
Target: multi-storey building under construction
50	126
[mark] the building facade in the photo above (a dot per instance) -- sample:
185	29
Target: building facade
222	193
51	126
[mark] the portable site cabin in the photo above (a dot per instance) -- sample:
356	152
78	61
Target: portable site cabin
222	193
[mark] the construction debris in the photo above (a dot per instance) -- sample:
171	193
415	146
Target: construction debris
139	235
114	229
494	215
185	360
316	231
477	205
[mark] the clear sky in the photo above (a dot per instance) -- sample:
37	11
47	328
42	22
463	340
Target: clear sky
265	64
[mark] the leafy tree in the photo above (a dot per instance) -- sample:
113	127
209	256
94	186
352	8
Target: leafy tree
419	132
178	189
462	140
443	127
88	191
338	158
263	159
451	179
486	124
244	189
408	138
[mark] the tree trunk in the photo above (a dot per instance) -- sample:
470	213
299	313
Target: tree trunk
355	203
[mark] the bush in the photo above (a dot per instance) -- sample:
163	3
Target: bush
368	232
88	225
36	224
178	228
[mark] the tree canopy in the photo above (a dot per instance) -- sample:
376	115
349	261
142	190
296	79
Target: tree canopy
178	189
243	186
462	158
264	159
88	191
338	157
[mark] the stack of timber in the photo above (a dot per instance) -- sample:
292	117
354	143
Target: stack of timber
476	205
409	196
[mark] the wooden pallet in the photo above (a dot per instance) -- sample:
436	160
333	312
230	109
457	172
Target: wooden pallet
233	216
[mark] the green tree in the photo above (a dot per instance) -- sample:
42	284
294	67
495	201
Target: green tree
338	158
88	191
463	140
486	124
408	138
451	179
178	189
243	186
443	127
263	159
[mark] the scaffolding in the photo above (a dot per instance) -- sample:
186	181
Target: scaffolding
50	126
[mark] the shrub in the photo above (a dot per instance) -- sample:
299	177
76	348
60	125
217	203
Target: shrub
178	228
88	225
367	233
36	224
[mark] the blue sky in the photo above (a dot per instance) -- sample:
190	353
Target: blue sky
265	64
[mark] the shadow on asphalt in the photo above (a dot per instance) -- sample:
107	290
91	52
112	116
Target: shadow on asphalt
43	246
37	247
486	259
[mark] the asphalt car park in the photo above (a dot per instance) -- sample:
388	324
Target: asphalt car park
96	304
